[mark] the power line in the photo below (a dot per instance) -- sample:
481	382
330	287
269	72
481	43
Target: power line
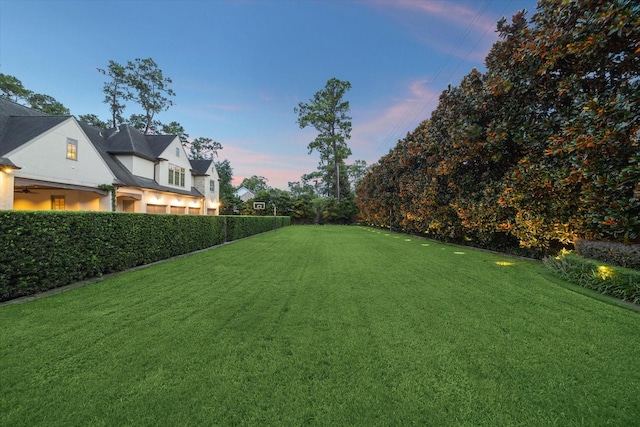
412	110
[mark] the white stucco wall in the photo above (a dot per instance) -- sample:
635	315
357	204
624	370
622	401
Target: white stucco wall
143	167
6	189
44	158
180	160
137	165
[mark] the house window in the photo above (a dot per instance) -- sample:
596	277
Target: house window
177	151
72	149
57	203
212	185
176	175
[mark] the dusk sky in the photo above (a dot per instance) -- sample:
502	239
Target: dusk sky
240	67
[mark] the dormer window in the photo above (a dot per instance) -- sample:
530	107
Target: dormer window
72	149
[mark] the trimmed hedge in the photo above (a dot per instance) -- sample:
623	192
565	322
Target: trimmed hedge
612	253
41	250
615	281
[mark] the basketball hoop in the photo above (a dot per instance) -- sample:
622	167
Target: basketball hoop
259	205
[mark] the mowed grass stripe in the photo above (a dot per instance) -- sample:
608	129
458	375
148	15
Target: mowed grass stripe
322	325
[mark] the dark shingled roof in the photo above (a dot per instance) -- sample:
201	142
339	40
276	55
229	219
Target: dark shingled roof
125	139
122	174
19	124
200	167
153	185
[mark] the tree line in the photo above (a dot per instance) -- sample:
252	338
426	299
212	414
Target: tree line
325	195
539	150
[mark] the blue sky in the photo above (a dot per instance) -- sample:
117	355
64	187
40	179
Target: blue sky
240	67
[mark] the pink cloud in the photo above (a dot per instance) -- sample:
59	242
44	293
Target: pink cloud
450	11
451	27
380	129
278	168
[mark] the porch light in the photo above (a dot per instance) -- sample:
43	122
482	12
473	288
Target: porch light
7	166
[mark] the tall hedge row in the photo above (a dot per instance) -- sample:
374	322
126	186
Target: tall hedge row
541	149
42	250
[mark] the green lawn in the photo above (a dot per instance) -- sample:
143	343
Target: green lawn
323	326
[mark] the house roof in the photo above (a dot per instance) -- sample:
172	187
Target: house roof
125	139
122	174
19	124
153	185
200	167
244	190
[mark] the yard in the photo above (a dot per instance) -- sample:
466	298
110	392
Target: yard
322	325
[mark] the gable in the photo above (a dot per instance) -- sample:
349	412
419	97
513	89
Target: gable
19	130
45	157
173	151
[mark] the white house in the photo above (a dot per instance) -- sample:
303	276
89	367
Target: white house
56	162
245	194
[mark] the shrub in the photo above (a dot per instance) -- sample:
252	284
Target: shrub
619	282
611	253
41	250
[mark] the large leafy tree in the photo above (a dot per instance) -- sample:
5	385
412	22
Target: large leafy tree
255	183
542	148
328	113
589	54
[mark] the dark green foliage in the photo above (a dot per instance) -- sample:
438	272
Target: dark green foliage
618	282
540	150
44	250
329	115
612	253
11	88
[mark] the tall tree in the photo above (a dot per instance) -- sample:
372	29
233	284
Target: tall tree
356	172
47	104
227	193
150	89
12	89
93	120
329	115
175	128
116	91
255	183
203	148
